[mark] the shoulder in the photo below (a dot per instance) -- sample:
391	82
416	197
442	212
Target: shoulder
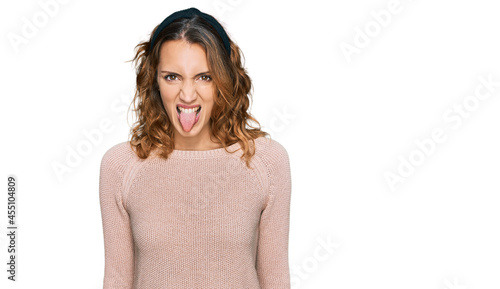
270	148
118	156
274	164
272	153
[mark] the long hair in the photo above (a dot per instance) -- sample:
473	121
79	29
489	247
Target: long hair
229	117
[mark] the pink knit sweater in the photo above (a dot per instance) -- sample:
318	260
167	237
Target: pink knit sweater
199	219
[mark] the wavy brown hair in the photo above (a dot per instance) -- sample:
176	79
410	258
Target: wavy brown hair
229	118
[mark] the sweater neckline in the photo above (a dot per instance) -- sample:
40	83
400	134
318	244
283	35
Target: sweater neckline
204	153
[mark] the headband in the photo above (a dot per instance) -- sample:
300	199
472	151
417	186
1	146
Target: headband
188	13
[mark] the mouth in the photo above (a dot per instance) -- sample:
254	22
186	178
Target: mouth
188	110
188	117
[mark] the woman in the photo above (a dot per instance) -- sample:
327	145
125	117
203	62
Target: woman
196	199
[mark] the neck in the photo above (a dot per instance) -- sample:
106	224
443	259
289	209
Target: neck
204	141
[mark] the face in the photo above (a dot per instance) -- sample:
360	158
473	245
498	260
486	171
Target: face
187	92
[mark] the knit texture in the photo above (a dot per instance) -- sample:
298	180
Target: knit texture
199	219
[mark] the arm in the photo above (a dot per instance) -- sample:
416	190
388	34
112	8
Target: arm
272	250
118	242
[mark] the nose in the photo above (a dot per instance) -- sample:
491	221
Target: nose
188	92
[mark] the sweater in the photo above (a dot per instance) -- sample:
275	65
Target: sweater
198	219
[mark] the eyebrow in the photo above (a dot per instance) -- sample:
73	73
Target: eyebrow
175	73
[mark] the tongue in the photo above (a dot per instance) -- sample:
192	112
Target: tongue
187	120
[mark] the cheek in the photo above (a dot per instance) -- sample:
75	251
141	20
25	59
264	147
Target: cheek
205	90
168	93
207	93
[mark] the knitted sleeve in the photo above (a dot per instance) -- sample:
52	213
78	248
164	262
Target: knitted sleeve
118	242
272	249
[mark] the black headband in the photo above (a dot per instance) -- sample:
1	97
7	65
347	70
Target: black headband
188	13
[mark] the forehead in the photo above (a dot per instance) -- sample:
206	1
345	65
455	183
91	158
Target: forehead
182	56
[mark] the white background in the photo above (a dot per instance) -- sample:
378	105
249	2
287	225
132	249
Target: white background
345	120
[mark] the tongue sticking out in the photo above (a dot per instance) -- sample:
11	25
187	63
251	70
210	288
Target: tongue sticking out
187	120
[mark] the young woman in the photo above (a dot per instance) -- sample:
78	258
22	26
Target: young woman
197	198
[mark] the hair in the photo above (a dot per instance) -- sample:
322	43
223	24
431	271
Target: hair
229	117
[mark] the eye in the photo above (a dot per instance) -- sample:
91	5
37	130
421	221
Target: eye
206	77
170	77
